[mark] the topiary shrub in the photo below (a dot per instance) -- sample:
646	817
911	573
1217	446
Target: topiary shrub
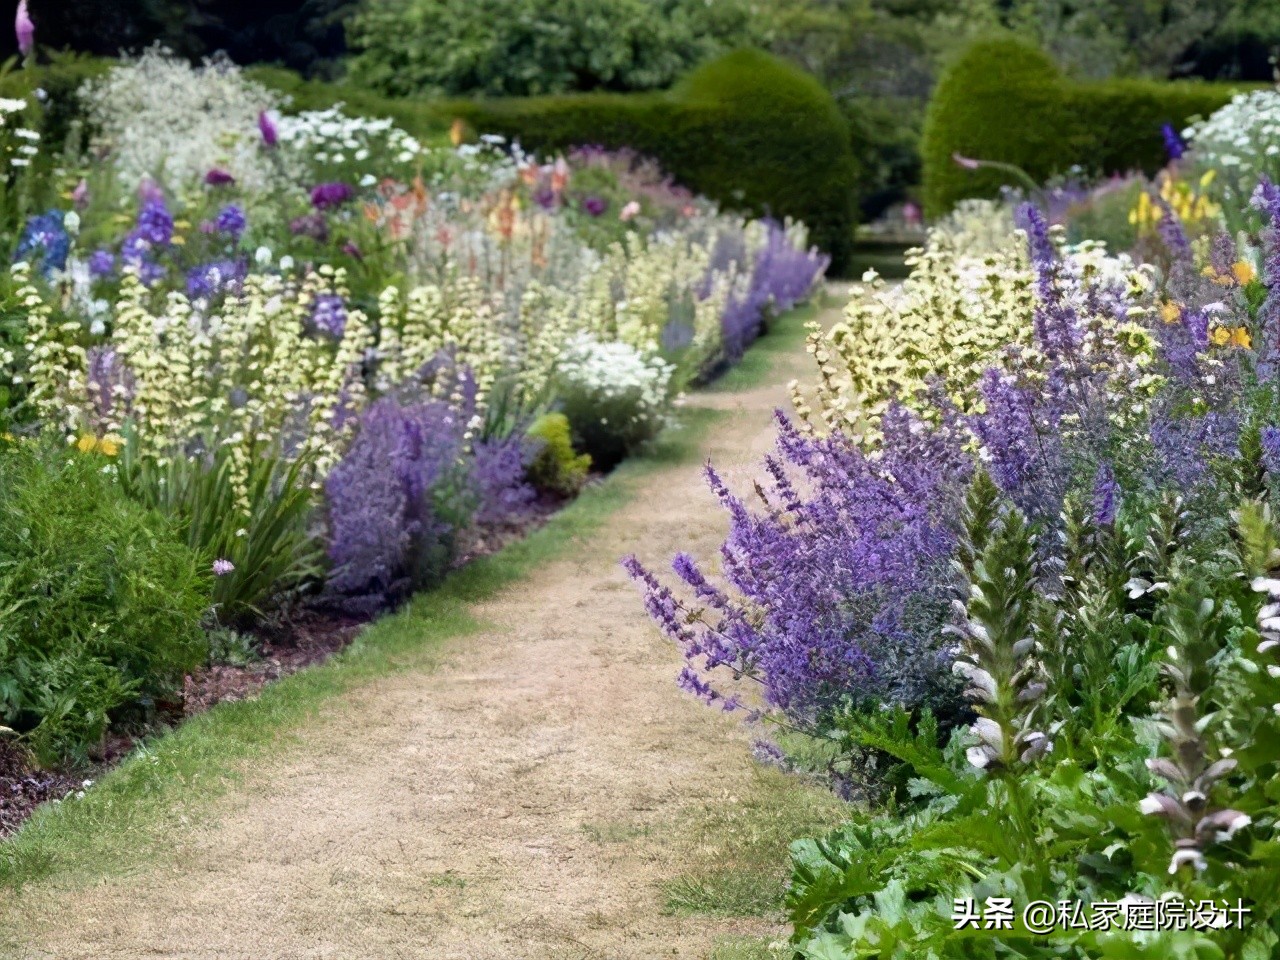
1005	100
746	129
100	601
557	467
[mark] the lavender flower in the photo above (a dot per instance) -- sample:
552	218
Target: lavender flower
1105	492
498	477
1271	450
326	196
1267	199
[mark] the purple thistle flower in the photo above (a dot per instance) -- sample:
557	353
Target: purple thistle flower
595	206
313	225
231	221
267	127
1105	494
326	196
1173	145
217	177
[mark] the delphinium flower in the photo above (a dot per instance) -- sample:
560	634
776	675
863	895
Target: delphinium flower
45	239
1105	496
102	263
231	221
110	388
1173	144
329	315
326	196
207	280
1266	198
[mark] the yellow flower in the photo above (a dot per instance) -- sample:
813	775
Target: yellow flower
457	132
1243	271
86	443
1170	311
110	444
1231	336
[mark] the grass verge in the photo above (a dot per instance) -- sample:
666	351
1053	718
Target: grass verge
123	820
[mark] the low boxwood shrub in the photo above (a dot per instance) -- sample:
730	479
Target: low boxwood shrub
100	601
556	467
746	129
1005	100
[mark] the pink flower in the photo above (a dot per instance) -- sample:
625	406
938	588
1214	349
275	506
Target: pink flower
80	195
25	29
267	127
967	162
631	210
222	567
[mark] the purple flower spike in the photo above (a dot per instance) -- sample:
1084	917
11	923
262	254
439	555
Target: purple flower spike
1173	144
25	30
101	263
231	221
1105	493
267	127
326	196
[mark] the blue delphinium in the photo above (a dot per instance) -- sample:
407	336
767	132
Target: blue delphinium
45	241
102	263
209	279
329	315
231	221
1173	145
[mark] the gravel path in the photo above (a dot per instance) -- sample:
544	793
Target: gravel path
525	799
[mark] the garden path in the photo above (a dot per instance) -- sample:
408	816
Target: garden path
527	798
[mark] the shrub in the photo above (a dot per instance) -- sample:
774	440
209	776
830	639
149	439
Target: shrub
1006	101
501	48
101	600
556	467
746	130
613	396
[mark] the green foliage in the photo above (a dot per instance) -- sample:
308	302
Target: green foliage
1005	101
100	601
746	130
530	47
264	530
557	467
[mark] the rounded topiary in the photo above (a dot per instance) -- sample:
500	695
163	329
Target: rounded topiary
556	467
1001	100
1005	100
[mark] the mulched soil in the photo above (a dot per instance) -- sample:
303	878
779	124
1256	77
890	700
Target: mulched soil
304	637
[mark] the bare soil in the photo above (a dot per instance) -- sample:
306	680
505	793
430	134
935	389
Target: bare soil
526	798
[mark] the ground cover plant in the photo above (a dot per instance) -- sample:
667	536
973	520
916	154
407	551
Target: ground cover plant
1009	580
324	362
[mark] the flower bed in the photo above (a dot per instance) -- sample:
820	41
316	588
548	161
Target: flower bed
1011	581
323	360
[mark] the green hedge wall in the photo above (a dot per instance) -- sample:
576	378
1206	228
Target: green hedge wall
746	129
1005	100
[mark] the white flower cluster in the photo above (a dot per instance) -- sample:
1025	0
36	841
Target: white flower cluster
614	374
161	118
328	144
1241	141
19	145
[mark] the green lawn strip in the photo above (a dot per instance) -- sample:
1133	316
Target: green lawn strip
785	337
122	820
742	866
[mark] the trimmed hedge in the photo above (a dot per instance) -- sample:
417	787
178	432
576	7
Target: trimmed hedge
746	129
1007	101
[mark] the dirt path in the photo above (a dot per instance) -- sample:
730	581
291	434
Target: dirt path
526	799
